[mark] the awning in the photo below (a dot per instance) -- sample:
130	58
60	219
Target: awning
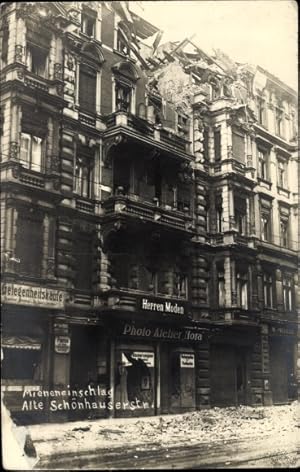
20	342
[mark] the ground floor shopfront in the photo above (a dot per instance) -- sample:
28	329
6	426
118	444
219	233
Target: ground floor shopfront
60	367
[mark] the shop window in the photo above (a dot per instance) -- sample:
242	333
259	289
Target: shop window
263	164
88	24
83	257
21	363
134	380
87	88
37	60
29	244
242	290
123	97
238	147
31	151
282	173
268	290
217	144
287	293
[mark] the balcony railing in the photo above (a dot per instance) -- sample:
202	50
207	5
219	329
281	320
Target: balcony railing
140	207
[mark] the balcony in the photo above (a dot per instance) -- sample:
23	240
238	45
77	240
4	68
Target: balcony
236	316
271	314
154	135
135	206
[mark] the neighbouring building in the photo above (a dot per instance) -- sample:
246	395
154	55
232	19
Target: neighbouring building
149	220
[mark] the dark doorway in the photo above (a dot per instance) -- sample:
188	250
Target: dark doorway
279	370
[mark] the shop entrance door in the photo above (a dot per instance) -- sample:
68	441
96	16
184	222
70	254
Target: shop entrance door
229	375
279	371
83	367
177	380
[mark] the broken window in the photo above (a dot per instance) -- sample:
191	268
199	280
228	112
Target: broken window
88	24
37	60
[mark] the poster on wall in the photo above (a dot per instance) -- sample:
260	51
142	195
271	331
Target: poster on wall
187	361
147	357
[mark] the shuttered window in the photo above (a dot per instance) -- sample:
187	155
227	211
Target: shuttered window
29	245
238	147
87	89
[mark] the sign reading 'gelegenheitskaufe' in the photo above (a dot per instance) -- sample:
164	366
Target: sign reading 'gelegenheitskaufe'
31	295
164	306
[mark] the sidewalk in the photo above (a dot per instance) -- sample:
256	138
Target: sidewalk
196	428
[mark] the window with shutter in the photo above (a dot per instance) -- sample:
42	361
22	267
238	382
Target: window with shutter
87	89
238	147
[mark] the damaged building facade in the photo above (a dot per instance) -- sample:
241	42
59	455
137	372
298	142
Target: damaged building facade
149	220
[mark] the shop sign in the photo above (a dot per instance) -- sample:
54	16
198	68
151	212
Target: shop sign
147	357
184	334
165	306
62	344
187	361
32	295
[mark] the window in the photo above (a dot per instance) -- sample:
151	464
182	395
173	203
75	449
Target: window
123	97
284	226
221	289
217	145
238	147
37	60
282	173
240	214
263	159
242	290
83	256
205	145
83	177
31	152
29	244
88	24
122	45
268	290
279	122
219	215
265	220
261	111
182	125
87	88
4	46
287	293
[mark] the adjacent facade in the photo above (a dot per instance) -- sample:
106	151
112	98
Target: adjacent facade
149	220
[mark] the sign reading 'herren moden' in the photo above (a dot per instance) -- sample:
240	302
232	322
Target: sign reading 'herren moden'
165	306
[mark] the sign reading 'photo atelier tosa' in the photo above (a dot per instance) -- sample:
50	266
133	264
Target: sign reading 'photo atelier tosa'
31	295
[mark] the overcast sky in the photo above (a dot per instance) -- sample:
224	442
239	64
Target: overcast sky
263	32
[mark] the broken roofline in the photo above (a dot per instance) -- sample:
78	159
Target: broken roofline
277	81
